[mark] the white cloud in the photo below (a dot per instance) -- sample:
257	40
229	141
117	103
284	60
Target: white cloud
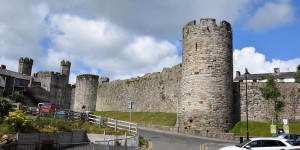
21	29
159	18
10	64
271	15
257	63
98	46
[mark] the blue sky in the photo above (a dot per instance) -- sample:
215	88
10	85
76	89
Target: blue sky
121	39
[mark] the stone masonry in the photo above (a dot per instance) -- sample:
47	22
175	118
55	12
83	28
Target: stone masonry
261	109
156	92
25	66
206	86
86	92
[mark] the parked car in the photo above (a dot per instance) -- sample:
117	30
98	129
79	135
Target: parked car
290	136
75	116
263	144
26	109
294	139
34	111
61	114
48	109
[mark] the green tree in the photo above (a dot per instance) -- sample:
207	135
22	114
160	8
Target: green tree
297	75
4	107
271	92
18	98
297	79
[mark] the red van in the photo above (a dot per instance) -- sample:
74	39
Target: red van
48	108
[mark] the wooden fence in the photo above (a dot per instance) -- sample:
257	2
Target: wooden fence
114	123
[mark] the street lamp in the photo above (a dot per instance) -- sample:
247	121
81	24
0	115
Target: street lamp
246	74
59	100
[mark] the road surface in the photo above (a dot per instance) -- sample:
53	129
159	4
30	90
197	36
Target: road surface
160	140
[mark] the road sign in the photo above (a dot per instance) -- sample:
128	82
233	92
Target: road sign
273	129
286	129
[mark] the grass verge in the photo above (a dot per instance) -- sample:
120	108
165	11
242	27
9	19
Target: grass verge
260	129
157	118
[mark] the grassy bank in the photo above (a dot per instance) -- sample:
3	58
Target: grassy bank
261	129
157	118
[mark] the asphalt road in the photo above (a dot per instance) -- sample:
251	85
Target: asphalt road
175	141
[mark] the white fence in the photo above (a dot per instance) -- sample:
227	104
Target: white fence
114	123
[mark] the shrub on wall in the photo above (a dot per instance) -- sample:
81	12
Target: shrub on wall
297	75
271	92
4	107
297	79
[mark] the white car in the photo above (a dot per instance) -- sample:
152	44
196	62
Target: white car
263	144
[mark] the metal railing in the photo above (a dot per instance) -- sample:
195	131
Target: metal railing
114	123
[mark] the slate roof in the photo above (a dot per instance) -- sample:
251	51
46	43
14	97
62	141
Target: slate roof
16	75
261	76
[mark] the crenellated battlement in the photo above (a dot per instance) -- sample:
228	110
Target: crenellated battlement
65	63
46	73
104	80
87	75
207	25
26	60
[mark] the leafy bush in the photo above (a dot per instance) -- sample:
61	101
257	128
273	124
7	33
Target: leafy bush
4	107
17	121
18	98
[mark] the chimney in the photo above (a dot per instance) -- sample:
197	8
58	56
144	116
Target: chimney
276	71
3	67
237	73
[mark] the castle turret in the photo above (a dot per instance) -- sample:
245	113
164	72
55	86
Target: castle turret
86	92
25	66
207	86
65	69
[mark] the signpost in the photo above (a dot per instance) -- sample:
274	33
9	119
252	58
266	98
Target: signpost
285	126
130	107
273	128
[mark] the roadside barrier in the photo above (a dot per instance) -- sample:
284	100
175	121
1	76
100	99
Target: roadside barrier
114	123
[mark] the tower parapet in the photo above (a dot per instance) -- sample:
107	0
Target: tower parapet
25	66
206	25
65	67
206	85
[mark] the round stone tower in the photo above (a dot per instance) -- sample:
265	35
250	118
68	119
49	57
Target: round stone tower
25	66
65	69
86	92
207	78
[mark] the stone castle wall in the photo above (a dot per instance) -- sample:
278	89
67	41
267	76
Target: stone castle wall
260	109
207	87
155	92
56	89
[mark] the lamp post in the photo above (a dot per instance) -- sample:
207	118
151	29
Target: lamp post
59	100
246	74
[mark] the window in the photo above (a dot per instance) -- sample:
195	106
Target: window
255	143
272	143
